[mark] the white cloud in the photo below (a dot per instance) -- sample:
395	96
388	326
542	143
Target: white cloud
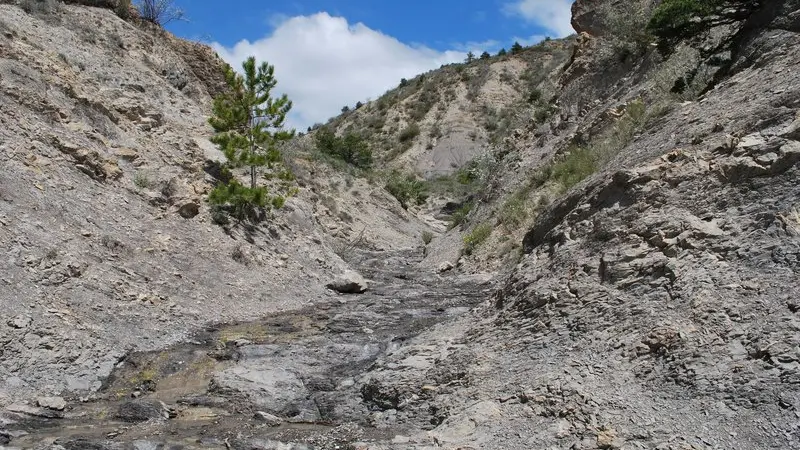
323	63
531	40
552	15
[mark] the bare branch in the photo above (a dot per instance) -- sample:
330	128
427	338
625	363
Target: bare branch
159	12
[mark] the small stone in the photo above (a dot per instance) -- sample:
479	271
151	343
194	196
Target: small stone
54	403
19	322
138	411
126	154
145	445
242	342
401	439
607	439
445	267
792	131
751	141
111	170
767	159
268	418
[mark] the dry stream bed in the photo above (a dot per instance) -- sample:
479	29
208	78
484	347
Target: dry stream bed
293	380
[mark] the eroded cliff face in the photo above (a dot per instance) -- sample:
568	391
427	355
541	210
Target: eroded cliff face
654	304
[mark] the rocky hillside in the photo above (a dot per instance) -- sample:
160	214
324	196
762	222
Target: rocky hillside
653	303
110	245
439	121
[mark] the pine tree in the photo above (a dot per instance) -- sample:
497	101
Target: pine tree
248	124
470	57
502	52
516	48
485	55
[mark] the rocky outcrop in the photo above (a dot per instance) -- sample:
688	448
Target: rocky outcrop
205	65
605	17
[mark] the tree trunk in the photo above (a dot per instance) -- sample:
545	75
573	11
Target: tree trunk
252	177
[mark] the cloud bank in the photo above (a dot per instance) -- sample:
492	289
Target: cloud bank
554	16
323	63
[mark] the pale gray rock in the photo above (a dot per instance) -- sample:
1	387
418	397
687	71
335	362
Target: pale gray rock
350	282
267	418
20	322
445	267
274	390
54	403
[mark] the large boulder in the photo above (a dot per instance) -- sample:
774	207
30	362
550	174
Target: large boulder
349	282
275	391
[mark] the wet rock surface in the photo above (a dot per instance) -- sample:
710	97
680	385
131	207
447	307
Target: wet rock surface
293	380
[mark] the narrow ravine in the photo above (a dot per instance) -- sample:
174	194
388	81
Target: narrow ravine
295	378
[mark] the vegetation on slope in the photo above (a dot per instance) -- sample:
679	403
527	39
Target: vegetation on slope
248	125
675	20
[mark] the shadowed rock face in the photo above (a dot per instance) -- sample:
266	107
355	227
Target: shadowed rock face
598	17
108	4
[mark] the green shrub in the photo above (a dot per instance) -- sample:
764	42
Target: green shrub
579	164
407	189
541	115
241	202
460	216
39	6
535	95
477	237
583	161
123	9
142	180
351	148
427	237
674	17
409	133
514	211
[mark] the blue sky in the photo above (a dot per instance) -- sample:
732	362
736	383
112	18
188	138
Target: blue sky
331	53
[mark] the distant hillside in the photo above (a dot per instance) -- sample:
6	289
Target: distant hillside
437	122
